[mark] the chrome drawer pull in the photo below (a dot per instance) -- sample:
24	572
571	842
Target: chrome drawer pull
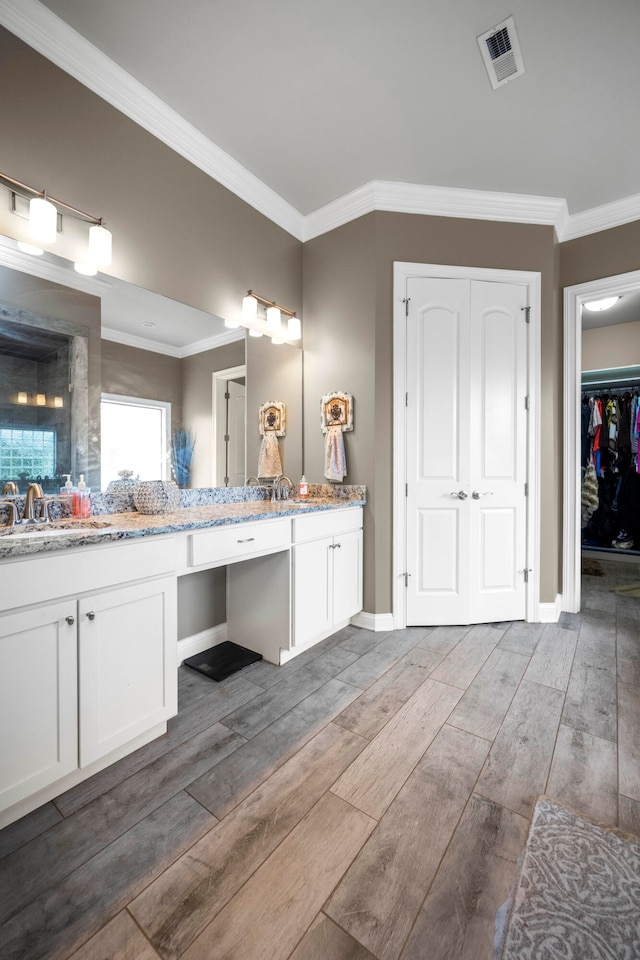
248	540
70	620
90	615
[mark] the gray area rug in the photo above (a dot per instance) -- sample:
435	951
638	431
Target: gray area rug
576	894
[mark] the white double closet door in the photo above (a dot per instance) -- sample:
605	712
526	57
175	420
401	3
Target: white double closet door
466	442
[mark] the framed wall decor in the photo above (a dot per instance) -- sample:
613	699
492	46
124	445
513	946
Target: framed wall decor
272	418
336	409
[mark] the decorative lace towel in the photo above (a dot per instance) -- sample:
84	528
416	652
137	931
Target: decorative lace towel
269	462
335	461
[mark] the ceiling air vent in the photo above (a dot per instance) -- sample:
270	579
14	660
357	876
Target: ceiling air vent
501	53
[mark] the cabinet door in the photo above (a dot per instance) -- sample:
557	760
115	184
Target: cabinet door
128	672
312	573
38	699
347	576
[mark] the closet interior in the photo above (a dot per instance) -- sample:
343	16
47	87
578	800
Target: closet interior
609	460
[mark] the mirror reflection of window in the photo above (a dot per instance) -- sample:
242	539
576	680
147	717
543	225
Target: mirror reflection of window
135	436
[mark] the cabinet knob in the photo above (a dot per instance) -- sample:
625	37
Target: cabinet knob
70	620
91	615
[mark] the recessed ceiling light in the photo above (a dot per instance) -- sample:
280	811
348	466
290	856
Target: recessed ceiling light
597	305
148	323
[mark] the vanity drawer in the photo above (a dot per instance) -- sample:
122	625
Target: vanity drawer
326	523
226	544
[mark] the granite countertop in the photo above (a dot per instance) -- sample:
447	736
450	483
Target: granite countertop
62	534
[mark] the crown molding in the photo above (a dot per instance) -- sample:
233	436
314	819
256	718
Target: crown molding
57	41
604	217
167	349
50	36
435	202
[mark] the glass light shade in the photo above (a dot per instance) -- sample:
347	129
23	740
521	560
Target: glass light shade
273	320
249	308
22	397
86	269
100	245
597	305
294	331
30	249
57	402
232	324
254	333
41	400
43	220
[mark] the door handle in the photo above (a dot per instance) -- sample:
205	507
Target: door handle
246	540
476	494
460	494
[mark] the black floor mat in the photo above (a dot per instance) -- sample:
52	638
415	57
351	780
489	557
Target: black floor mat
221	661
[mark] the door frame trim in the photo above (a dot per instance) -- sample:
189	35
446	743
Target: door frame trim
402	272
218	378
574	297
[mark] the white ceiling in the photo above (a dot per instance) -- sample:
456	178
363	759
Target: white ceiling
317	99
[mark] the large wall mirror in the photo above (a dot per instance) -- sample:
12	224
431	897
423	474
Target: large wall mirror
73	344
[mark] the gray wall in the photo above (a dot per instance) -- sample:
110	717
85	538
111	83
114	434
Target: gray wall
129	371
275	373
175	230
349	345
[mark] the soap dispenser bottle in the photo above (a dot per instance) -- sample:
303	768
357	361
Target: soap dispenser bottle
83	499
69	493
304	488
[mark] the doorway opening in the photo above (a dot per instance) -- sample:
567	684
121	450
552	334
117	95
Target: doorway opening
229	427
606	379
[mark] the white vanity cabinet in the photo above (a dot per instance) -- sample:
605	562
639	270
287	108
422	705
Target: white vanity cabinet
127	665
87	678
327	573
38	699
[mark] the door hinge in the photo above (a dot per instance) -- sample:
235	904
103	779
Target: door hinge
526	402
526	572
526	489
227	396
226	438
406	489
406	579
527	314
406	306
226	481
406	399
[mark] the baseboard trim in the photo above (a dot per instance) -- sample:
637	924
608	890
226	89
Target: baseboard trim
550	612
373	621
198	642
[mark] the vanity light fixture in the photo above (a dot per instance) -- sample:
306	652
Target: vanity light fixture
272	325
22	397
44	214
41	400
43	219
598	305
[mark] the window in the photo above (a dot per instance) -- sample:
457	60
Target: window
134	436
27	451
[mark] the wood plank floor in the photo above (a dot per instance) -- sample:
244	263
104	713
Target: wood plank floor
368	801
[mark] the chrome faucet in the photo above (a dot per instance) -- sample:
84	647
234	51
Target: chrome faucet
282	487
